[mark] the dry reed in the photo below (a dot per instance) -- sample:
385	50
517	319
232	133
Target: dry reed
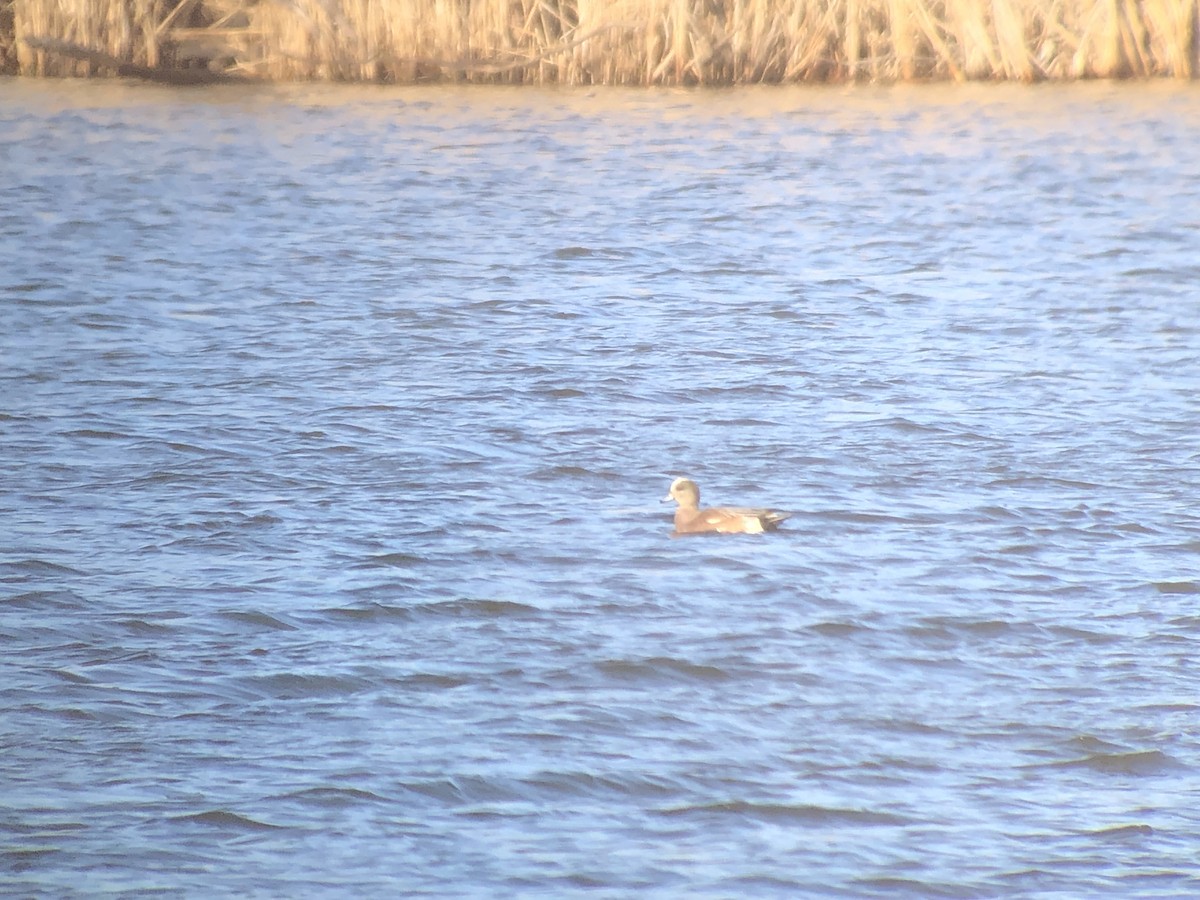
670	42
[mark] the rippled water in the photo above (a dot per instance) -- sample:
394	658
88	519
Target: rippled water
335	422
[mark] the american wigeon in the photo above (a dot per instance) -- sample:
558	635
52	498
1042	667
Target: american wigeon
691	519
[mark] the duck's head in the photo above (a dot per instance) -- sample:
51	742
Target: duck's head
684	492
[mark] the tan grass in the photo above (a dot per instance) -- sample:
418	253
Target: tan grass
669	42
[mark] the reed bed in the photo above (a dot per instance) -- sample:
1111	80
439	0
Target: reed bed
639	42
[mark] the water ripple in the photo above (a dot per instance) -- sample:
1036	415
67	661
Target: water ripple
331	561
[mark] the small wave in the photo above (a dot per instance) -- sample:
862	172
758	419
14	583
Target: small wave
1137	762
1176	587
800	813
838	629
391	561
554	473
466	789
1158	708
71	677
431	680
294	686
1074	633
334	797
32	287
222	818
1135	528
162	477
943	626
373	613
38	567
1148	272
1020	549
45	600
1121	832
195	449
660	667
257	618
558	393
893	885
580	252
96	433
464	608
1044	483
586	784
908	426
865	518
489	609
19	859
742	422
355	409
70	714
143	627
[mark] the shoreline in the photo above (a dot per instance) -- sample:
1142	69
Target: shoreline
673	43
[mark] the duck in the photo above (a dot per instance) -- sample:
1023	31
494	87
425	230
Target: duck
691	519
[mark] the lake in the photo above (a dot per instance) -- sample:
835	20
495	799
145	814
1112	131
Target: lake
335	425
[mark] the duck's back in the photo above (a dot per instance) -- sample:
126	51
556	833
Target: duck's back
727	520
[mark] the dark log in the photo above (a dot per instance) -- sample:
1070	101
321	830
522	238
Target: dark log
128	69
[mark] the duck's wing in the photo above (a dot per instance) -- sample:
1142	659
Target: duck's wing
739	520
772	517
